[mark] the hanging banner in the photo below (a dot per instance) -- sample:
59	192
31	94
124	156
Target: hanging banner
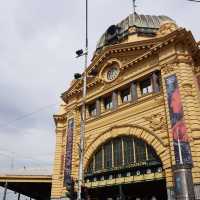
68	159
179	129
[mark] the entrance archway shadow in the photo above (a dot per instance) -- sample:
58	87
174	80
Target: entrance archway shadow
142	191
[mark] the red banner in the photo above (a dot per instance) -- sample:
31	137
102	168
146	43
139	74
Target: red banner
178	125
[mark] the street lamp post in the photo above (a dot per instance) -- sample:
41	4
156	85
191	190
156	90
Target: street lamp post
83	112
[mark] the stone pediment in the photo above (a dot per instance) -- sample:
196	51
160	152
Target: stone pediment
124	56
120	56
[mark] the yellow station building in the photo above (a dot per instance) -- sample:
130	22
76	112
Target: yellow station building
142	133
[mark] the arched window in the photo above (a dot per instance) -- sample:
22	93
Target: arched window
107	150
128	150
140	150
121	152
117	152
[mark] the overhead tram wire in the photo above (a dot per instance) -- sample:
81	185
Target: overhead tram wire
197	1
27	115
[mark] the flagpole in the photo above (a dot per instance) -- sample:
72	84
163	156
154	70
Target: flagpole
83	112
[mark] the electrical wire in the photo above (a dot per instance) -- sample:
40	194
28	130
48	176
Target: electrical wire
195	1
27	115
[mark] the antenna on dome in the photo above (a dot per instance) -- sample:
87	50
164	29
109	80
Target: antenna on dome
134	7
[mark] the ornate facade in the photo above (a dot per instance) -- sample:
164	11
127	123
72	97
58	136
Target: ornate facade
142	115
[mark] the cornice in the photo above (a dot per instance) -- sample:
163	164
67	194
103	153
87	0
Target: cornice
152	51
119	48
60	118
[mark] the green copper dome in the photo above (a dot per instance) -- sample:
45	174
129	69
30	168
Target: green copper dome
144	25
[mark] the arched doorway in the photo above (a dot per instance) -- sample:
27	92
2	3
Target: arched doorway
125	168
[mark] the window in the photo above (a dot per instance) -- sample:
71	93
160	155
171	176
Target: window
117	149
90	167
92	109
108	155
125	95
140	150
108	104
128	150
146	86
151	153
98	160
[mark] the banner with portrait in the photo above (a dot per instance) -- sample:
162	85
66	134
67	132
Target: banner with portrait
69	148
178	126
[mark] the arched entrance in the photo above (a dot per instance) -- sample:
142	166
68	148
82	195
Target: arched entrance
125	168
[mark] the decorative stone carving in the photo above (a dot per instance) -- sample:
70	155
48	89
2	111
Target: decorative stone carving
184	58
166	28
159	100
196	69
187	87
168	68
157	121
132	30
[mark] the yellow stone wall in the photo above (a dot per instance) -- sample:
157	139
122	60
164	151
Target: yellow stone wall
147	118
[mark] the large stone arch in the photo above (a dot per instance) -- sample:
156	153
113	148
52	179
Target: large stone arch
149	137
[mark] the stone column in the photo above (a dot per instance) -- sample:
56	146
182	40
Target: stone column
180	139
191	105
155	83
57	177
185	175
98	107
134	94
115	100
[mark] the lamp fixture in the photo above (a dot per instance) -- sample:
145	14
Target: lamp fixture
77	76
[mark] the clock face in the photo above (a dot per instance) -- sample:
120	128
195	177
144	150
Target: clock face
112	73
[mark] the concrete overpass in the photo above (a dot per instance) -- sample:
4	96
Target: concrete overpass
35	184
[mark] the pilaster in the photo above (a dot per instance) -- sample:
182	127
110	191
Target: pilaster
191	106
57	177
